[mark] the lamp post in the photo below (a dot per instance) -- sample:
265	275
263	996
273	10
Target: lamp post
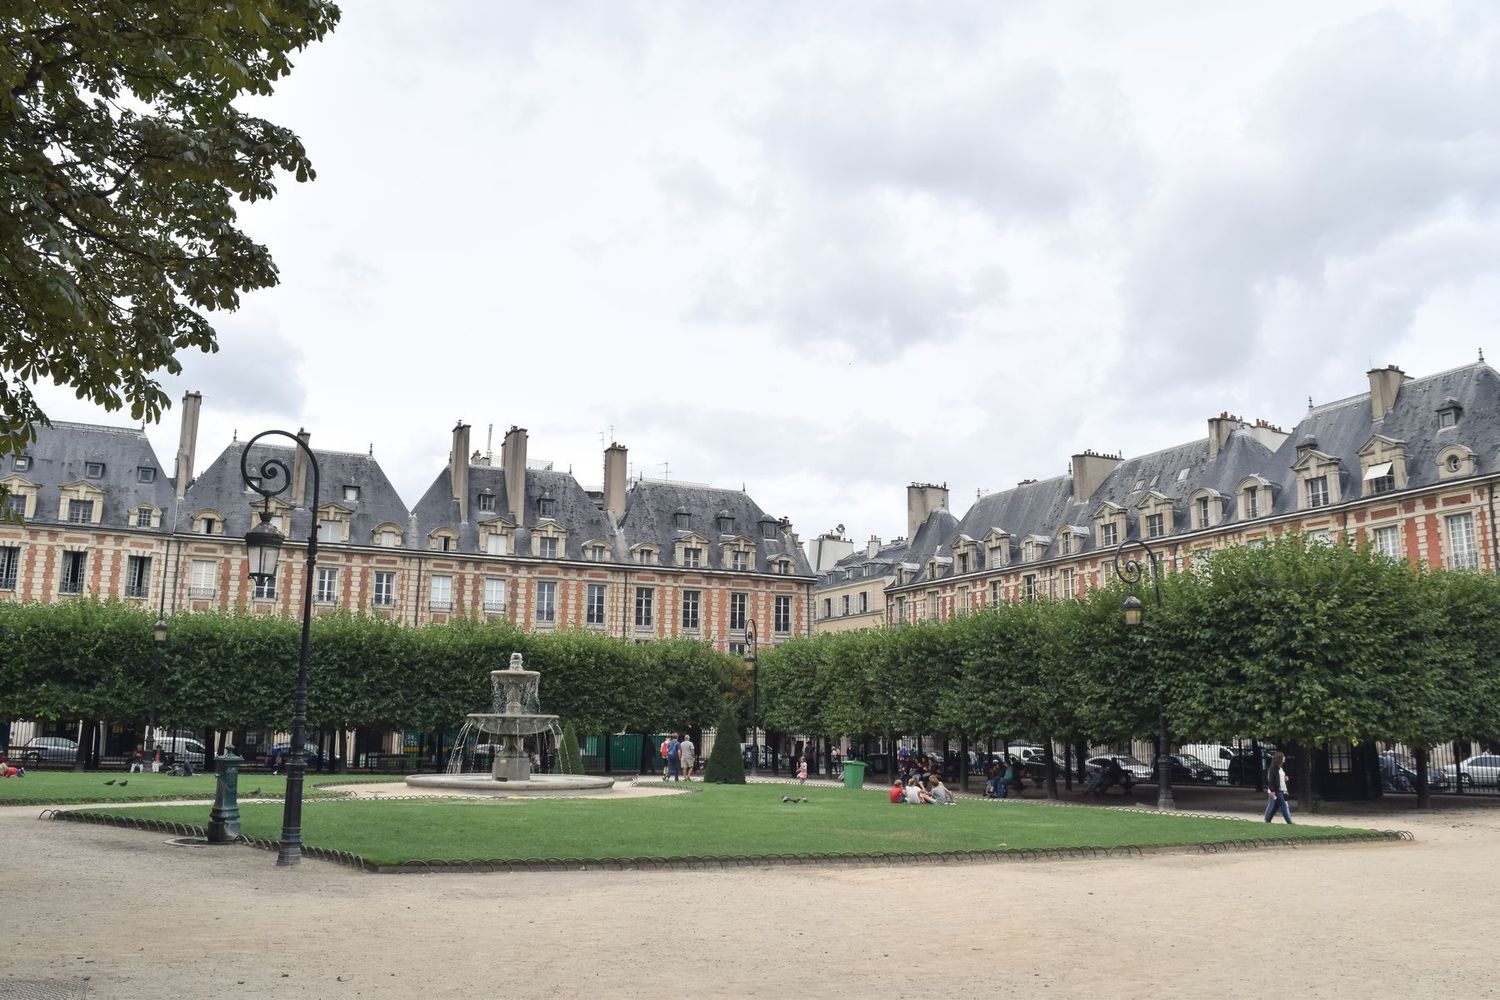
263	543
1129	570
159	639
754	698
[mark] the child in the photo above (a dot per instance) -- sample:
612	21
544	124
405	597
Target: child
898	792
802	771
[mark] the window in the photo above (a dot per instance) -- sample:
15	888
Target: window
784	567
1380	478
846	605
80	511
74	564
14	506
644	599
546	547
22	463
330	531
692	558
1156	525
447	543
594	604
440	597
1028	587
691	600
1461	551
1065	580
684	520
726	524
494	595
1447	418
351	493
995	593
782	617
93	470
486	502
208	524
1028	551
327	585
1322	536
10	560
864	601
137	576
598	553
546	602
740	562
1388	541
737	604
768	529
265	588
737	649
145	474
1252	501
963	562
201	578
1317	491
1109	534
391	539
385	589
143	517
645	556
827	607
497	544
546	506
1203	512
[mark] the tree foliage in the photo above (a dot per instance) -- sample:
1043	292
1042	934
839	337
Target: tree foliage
124	145
726	764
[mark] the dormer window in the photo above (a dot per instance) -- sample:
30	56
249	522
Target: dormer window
1156	515
963	563
645	556
546	506
1455	460
1448	412
93	470
329	530
546	547
683	519
1207	507
485	501
1156	525
783	567
725	522
1383	460
145	474
768	529
1028	551
21	463
595	553
692	558
739	561
351	493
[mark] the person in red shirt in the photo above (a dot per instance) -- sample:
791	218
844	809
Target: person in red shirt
898	792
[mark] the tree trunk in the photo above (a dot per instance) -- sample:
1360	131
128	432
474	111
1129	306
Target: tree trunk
1306	797
1050	764
85	741
1424	791
963	762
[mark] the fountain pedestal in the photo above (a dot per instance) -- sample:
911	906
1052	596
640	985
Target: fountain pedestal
512	762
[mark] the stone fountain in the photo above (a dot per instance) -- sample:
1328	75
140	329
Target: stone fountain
515	717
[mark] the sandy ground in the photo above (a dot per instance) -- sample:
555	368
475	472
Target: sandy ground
140	918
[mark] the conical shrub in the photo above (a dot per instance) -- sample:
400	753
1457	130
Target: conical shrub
725	764
569	760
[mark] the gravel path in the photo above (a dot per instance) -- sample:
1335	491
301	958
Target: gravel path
128	916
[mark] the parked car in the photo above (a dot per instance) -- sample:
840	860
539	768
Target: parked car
1480	769
1398	773
48	749
1216	755
1138	770
1246	769
1187	770
181	748
311	754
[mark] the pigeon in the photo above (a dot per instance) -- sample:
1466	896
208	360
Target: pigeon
111	781
255	792
786	798
124	783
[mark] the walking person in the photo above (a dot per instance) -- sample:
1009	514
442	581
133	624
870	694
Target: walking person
802	771
1276	789
674	758
688	754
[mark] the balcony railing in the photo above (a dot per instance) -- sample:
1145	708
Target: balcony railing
133	589
8	582
494	607
70	587
437	605
202	593
384	602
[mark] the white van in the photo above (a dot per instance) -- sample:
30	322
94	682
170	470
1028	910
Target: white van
184	748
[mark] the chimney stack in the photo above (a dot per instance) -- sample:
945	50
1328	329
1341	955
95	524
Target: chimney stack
1219	429
921	500
614	481
1090	470
187	441
513	458
299	472
1385	383
872	547
458	469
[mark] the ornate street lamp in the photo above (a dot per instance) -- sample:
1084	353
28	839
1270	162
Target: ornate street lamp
1129	570
263	543
754	698
159	639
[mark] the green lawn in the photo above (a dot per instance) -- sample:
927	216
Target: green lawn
716	821
68	787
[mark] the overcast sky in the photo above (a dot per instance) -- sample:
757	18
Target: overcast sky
827	249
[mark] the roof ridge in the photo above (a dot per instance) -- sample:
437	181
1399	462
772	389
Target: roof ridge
105	428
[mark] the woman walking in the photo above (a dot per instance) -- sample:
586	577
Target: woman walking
1276	789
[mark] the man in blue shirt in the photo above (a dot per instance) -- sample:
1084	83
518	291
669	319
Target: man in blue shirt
674	758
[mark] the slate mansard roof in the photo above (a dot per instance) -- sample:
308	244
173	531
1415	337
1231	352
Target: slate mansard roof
862	565
60	456
1042	509
221	488
576	512
651	510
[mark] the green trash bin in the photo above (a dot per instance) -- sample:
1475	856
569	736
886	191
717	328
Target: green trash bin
854	774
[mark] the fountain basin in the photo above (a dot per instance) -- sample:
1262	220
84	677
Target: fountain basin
511	725
534	785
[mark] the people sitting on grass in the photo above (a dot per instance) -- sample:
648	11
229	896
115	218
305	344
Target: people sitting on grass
940	794
898	792
9	770
917	795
